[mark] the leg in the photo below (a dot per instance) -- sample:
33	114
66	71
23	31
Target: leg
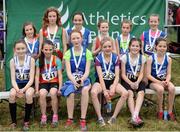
160	90
171	96
96	89
70	105
28	106
131	102
54	100
84	101
139	101
42	94
124	95
12	105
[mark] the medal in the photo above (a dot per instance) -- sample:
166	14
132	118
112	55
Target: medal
151	43
54	35
107	71
134	70
48	70
74	57
156	63
33	44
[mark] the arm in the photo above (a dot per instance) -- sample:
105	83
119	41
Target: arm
141	73
40	41
117	48
13	79
87	70
68	70
114	46
64	40
168	77
31	75
94	50
142	47
101	80
60	79
37	79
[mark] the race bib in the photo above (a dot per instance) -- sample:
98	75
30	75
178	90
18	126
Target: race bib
149	48
131	76
77	75
48	77
108	76
23	76
56	44
161	76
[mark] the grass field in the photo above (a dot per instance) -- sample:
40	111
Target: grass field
147	113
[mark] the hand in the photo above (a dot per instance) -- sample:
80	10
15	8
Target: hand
37	93
166	83
77	85
132	85
163	83
106	94
20	94
59	92
112	90
136	85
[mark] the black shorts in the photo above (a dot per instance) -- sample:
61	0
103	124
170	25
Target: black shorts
48	86
108	83
21	85
141	87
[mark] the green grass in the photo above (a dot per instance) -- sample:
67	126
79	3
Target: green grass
147	113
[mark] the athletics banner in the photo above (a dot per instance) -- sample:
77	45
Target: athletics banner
20	11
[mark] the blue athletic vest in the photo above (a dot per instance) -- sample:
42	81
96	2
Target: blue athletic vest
162	74
25	77
129	72
112	68
86	34
119	43
82	65
36	48
146	41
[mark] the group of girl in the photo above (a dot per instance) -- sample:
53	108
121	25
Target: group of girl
123	58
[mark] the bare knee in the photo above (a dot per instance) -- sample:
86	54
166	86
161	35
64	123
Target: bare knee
125	95
12	96
160	91
130	94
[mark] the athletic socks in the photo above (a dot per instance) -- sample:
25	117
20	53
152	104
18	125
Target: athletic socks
12	107
28	108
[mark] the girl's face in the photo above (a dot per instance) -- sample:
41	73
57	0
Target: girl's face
161	48
135	47
47	50
104	28
107	47
153	22
52	17
29	31
126	28
78	21
20	49
76	39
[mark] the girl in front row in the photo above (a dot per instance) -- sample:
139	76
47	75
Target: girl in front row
22	69
107	81
77	61
159	76
48	79
132	73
